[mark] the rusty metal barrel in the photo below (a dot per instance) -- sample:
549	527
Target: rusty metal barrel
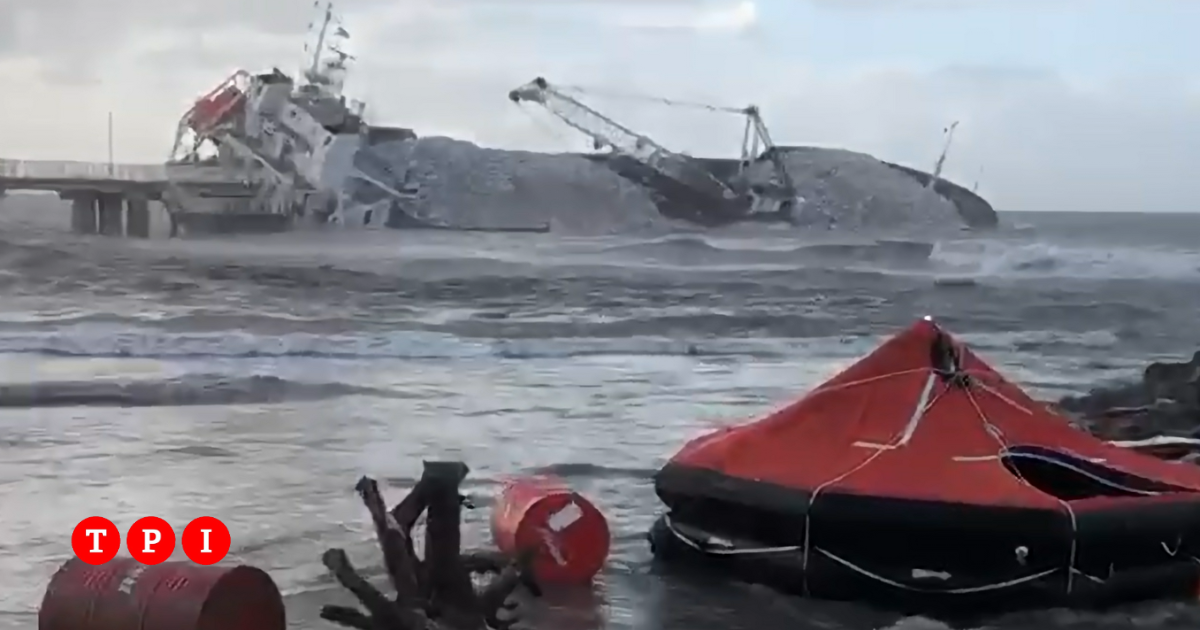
568	535
123	594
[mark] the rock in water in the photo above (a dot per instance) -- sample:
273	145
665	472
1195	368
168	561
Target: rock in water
1174	381
1166	401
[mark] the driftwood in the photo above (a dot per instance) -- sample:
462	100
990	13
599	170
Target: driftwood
437	592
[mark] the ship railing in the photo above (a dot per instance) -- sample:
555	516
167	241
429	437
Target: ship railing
66	170
59	170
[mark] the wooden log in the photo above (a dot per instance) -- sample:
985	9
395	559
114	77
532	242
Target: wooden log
346	616
436	593
398	557
452	593
384	614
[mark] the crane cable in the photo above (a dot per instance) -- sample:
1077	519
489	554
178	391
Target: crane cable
543	125
656	99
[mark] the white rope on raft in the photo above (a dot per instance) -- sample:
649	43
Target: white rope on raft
996	586
1158	440
856	568
687	540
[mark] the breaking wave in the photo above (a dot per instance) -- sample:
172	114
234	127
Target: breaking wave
1009	258
697	249
190	390
158	344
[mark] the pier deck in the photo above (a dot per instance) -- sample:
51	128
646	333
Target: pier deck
113	199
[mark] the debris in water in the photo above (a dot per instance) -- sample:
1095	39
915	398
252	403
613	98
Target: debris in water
437	592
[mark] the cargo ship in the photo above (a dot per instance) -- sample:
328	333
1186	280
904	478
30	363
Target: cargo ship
304	152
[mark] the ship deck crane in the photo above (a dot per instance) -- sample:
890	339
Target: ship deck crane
737	197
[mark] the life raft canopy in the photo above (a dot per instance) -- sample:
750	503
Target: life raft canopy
920	459
920	418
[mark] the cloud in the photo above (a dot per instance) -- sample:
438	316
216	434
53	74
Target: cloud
936	5
734	16
1044	141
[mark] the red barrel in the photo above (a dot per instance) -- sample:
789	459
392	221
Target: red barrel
568	534
123	594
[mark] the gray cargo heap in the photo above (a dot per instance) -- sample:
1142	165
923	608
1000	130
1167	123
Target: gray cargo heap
799	185
638	184
456	183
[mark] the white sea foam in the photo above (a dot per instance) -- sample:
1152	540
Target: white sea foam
1037	258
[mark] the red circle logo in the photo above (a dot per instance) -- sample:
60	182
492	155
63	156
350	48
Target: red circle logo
95	540
150	540
205	540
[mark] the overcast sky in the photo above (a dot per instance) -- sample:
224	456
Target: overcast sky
1064	104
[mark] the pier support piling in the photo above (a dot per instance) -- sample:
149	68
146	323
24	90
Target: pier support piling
112	209
83	214
137	219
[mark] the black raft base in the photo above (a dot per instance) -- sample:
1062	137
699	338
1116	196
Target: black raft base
831	578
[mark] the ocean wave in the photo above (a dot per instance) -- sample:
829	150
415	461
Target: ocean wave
159	344
1032	259
1024	340
694	249
582	470
189	390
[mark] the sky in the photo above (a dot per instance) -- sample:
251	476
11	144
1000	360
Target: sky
1062	104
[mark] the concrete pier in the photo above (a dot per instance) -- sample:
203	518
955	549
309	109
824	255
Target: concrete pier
113	200
112	210
83	214
137	219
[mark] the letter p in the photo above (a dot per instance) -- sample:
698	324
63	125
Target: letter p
152	537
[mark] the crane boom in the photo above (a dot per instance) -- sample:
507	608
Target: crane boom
606	132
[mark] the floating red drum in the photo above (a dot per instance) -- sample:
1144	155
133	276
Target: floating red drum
124	595
568	535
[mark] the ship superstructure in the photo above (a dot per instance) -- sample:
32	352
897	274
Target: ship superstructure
294	144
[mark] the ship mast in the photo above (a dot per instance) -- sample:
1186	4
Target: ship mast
941	161
314	70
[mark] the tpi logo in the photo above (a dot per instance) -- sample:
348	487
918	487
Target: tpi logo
150	540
